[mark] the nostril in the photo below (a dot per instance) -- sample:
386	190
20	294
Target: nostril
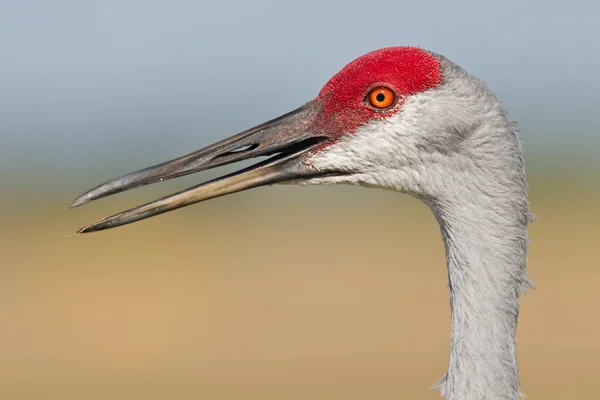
244	148
241	149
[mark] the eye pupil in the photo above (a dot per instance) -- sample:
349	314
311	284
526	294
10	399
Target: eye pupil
380	97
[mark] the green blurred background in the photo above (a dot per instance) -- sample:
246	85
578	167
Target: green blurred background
279	292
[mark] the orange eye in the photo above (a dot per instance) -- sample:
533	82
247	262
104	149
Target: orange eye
381	97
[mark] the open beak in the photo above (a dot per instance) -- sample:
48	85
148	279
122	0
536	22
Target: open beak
288	139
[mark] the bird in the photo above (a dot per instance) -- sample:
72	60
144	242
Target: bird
409	120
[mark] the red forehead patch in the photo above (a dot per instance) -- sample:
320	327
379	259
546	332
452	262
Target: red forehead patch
409	69
406	70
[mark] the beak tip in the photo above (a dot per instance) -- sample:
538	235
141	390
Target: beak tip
86	229
81	200
95	194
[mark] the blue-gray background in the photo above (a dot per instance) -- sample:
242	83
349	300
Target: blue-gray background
83	79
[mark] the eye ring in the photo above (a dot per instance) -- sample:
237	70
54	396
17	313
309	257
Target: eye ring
381	97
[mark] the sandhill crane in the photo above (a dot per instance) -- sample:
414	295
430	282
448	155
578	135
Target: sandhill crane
409	120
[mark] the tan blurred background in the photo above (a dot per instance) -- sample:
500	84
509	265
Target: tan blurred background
280	292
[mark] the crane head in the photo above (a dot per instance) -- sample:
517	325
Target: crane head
383	121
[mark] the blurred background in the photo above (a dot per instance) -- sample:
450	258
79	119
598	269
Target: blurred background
279	292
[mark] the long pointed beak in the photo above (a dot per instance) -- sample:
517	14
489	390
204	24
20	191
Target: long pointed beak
287	139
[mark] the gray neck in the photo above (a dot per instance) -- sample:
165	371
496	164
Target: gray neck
486	249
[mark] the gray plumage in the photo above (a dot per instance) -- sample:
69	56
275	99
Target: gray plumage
483	217
455	148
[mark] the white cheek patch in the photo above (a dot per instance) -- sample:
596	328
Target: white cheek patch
379	143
